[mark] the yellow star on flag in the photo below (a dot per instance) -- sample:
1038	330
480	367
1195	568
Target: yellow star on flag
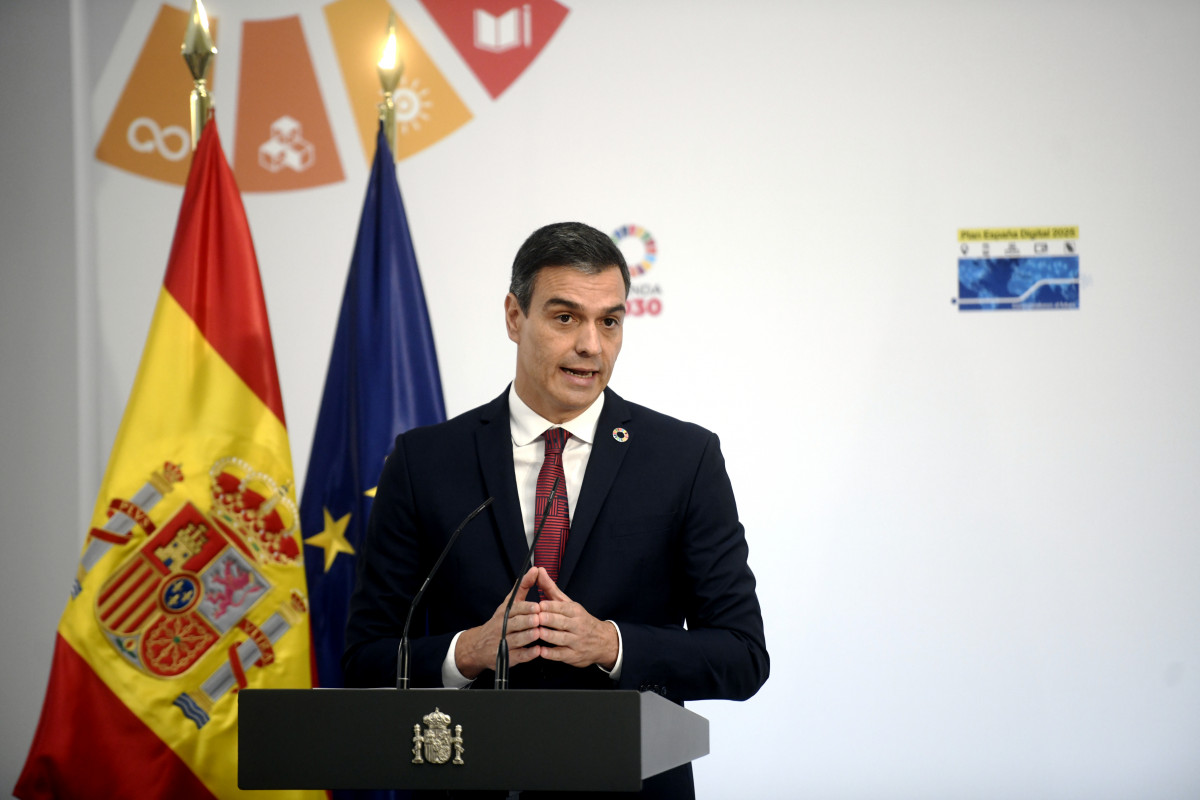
332	539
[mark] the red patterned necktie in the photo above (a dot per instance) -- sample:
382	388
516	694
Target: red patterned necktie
550	545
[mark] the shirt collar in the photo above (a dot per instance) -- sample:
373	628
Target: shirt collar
528	426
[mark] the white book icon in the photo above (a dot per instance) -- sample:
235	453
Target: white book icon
499	33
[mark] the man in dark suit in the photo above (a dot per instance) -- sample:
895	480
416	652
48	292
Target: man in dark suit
650	589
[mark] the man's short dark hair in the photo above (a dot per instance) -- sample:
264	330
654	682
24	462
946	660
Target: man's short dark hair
563	244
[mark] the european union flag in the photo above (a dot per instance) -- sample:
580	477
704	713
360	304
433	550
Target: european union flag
383	379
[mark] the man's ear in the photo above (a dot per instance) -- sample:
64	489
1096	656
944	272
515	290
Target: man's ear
513	317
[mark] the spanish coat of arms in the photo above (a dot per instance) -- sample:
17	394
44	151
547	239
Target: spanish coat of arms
194	579
435	743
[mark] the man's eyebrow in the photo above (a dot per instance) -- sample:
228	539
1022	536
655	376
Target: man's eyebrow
558	301
571	304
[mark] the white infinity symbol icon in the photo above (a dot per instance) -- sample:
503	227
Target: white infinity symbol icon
159	138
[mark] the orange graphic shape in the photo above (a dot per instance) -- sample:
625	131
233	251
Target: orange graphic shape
149	132
427	108
284	139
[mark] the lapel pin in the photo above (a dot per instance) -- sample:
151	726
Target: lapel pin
621	435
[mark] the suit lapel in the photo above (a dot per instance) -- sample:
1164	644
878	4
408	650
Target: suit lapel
603	464
493	442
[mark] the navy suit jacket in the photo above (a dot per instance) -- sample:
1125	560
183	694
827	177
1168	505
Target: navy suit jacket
654	545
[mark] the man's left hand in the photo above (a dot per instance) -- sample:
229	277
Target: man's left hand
578	638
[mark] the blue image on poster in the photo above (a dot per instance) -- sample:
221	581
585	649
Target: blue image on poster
1018	284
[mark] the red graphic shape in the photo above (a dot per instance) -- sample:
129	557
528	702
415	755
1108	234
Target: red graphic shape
498	39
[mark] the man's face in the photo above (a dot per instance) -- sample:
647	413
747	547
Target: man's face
568	344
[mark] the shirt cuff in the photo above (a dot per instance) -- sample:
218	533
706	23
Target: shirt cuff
451	677
615	672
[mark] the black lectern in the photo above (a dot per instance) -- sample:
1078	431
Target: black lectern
460	739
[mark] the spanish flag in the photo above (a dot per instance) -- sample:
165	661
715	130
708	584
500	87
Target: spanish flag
191	582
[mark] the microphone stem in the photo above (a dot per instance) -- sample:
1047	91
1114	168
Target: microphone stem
502	665
402	664
403	653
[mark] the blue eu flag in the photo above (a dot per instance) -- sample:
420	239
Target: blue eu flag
383	379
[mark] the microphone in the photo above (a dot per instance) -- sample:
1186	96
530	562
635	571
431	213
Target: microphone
402	655
502	651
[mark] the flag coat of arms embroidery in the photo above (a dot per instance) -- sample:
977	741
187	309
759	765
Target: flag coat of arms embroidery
195	579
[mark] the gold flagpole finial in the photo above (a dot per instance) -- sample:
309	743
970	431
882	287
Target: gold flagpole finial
198	50
391	67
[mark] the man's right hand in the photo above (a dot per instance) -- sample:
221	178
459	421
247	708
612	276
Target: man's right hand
476	648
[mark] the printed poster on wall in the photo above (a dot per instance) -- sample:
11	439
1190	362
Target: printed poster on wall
1018	269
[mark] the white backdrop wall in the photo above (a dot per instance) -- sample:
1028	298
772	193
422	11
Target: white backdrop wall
975	533
39	433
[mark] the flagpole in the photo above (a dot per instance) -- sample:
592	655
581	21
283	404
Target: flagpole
391	67
197	51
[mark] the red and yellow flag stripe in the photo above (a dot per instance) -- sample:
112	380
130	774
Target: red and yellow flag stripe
191	585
